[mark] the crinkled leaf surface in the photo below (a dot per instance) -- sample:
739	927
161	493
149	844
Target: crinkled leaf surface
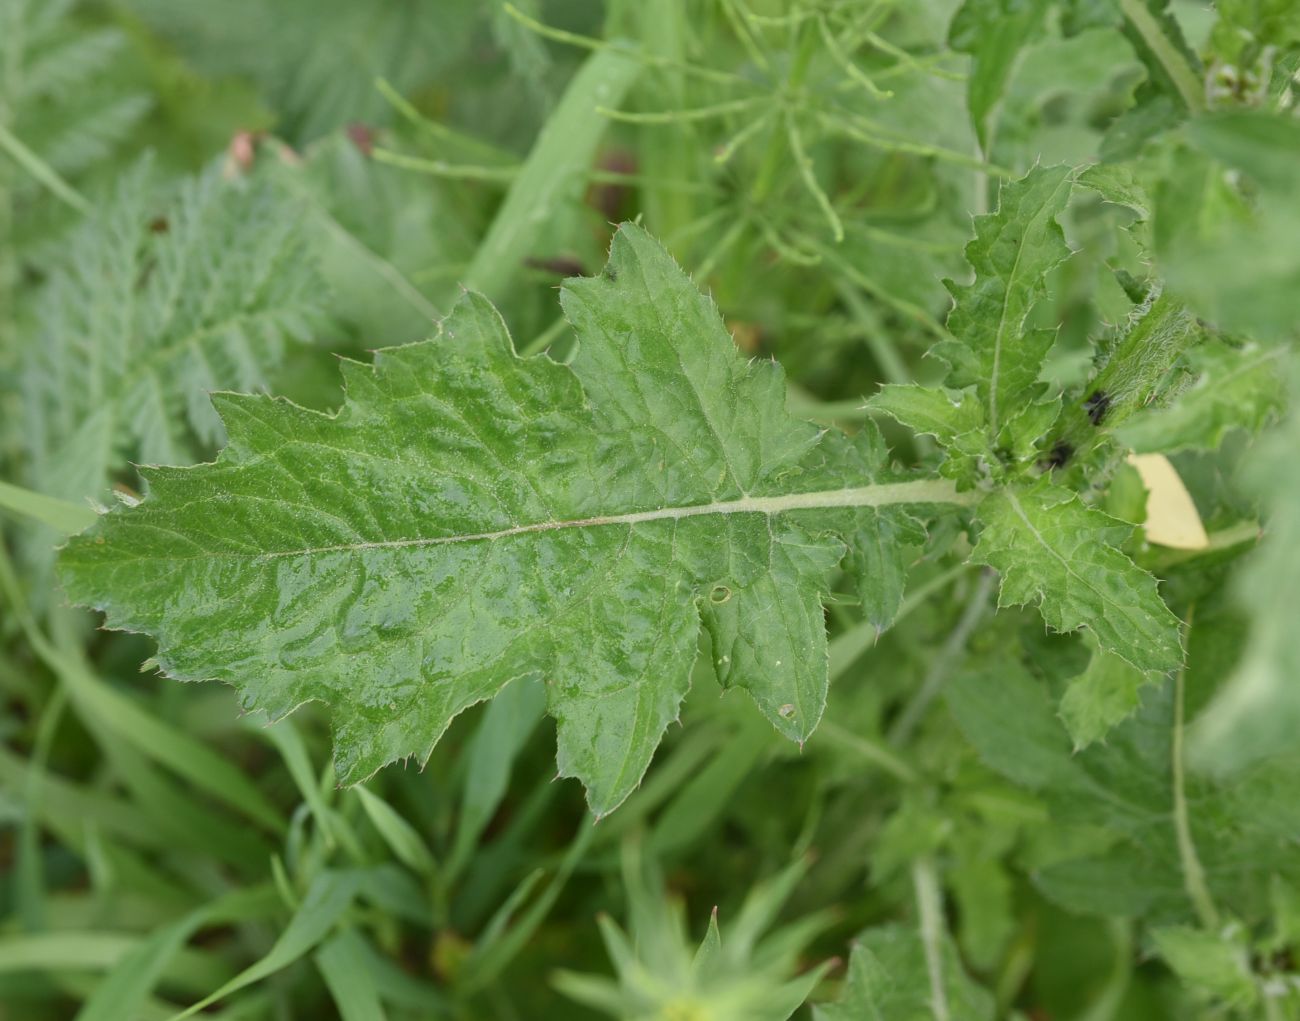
1054	551
1135	364
958	426
470	518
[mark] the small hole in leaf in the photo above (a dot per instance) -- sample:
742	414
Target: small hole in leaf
786	712
720	594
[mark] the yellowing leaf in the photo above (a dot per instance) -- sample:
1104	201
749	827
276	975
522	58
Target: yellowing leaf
1172	518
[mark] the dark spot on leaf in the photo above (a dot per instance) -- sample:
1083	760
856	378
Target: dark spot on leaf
1097	404
1060	454
363	137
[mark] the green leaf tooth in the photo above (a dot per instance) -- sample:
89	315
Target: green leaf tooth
248	418
1100	698
929	410
1053	551
1118	184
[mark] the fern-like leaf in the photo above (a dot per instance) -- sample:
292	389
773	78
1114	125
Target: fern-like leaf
153	311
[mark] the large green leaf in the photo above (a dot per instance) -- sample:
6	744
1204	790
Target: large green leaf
470	518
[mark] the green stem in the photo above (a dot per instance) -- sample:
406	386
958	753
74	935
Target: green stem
61	515
42	171
1198	890
875	753
929	906
774	157
1107	1001
680	116
1182	75
943	662
441	168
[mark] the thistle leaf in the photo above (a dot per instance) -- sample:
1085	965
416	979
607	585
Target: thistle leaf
1013	251
1101	697
471	518
1124	791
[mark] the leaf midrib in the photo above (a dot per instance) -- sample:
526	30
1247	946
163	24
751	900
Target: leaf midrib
999	339
913	491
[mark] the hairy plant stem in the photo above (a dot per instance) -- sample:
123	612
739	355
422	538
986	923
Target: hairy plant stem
943	662
929	906
1184	78
1198	891
872	751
